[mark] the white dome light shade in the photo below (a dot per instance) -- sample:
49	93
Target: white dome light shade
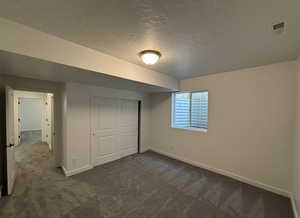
150	57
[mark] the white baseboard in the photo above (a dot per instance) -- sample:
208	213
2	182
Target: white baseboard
64	170
76	171
143	151
293	201
226	173
85	168
29	130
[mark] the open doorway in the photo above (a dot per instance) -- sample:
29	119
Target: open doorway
30	132
33	118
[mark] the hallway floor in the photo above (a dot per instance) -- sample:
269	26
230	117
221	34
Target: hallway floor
144	185
31	137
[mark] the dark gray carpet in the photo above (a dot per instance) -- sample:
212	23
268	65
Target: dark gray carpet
145	185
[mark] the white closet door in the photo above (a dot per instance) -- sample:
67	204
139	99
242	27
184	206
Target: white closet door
128	127
114	129
105	131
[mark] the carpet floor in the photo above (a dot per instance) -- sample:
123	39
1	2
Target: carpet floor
141	185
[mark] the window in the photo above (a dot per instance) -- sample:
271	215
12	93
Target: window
190	110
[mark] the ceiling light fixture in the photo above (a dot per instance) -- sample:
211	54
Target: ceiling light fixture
150	57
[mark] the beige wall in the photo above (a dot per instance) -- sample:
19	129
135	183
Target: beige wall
296	148
251	114
251	120
78	122
72	118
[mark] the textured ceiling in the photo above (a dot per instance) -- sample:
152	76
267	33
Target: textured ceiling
195	37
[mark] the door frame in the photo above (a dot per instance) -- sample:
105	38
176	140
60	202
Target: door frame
17	115
16	111
16	107
55	126
3	165
19	124
139	125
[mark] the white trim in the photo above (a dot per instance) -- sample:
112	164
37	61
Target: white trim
76	171
29	130
227	173
190	129
64	170
172	108
144	149
293	201
11	188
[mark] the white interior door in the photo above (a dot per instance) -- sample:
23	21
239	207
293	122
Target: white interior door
128	127
114	129
10	140
104	130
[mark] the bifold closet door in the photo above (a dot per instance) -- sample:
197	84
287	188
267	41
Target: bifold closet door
128	127
114	129
104	130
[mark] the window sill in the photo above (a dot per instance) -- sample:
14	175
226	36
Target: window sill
191	129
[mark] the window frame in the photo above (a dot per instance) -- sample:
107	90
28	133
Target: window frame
190	128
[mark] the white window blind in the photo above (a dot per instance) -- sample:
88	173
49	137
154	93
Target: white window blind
190	110
182	110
